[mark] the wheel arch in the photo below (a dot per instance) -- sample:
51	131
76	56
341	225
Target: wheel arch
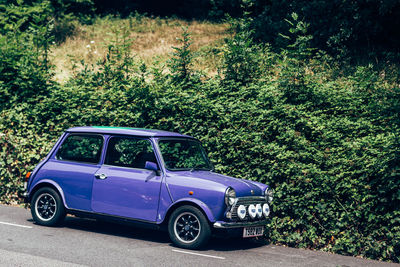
48	183
191	202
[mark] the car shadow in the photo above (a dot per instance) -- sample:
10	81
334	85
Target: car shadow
152	235
116	229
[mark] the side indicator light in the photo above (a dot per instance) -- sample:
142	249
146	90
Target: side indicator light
190	192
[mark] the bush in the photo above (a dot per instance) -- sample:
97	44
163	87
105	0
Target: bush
241	59
181	61
21	15
327	142
24	68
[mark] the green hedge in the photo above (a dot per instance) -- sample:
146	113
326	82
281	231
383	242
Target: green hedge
328	142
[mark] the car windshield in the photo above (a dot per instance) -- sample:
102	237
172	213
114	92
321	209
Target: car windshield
184	154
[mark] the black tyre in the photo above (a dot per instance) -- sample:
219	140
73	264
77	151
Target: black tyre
188	228
47	207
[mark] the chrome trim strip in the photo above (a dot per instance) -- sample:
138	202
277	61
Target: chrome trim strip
224	225
252	198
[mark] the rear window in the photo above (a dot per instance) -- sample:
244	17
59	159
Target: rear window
81	148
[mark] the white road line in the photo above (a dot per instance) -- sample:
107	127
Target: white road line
17	225
198	254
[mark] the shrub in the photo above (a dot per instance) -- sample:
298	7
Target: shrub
180	63
242	57
24	68
327	142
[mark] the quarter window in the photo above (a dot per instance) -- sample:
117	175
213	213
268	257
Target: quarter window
81	148
129	152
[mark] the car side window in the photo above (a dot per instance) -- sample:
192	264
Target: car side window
129	152
183	154
81	148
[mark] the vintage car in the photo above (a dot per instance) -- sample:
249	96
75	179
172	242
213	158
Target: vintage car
148	177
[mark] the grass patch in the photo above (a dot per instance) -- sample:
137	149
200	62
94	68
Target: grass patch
152	40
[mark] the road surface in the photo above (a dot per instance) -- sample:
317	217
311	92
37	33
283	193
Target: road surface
83	242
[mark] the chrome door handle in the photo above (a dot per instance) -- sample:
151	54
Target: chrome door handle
100	176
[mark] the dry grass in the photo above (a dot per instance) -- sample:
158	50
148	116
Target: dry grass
152	39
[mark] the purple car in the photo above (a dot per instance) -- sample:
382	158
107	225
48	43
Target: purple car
147	177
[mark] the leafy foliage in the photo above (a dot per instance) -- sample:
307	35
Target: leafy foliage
242	58
180	63
326	140
24	68
364	29
20	15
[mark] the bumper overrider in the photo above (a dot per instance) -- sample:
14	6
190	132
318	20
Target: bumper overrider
25	196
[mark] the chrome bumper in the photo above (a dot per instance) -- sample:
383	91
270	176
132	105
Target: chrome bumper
25	196
221	224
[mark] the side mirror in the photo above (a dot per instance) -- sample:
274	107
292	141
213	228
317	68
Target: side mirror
151	166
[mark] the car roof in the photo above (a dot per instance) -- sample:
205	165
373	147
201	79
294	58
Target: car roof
126	131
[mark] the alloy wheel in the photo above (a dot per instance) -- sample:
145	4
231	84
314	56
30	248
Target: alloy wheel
45	207
187	227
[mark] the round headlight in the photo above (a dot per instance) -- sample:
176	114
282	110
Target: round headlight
269	194
265	210
252	211
259	210
230	196
241	212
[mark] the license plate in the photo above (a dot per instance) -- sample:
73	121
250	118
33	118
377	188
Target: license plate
253	231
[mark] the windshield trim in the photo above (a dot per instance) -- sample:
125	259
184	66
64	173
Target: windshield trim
158	139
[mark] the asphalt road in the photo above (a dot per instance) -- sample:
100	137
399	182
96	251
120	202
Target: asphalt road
82	242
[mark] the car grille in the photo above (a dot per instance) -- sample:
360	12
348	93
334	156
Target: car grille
247	201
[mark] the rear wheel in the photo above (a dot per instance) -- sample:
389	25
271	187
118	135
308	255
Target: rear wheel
47	207
188	228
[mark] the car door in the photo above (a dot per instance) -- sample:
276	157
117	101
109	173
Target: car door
123	187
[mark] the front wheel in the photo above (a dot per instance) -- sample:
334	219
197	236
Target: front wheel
188	228
47	207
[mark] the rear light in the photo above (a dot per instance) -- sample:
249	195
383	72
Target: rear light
26	180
